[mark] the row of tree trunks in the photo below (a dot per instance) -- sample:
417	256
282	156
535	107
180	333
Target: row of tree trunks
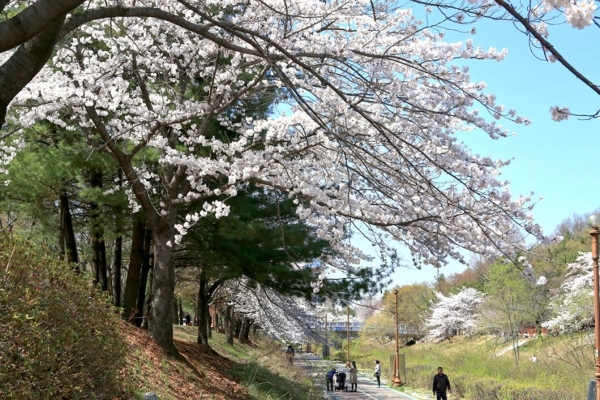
136	294
136	260
134	297
68	243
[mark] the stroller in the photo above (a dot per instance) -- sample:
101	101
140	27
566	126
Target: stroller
340	381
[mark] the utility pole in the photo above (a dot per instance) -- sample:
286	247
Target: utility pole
396	381
326	348
348	333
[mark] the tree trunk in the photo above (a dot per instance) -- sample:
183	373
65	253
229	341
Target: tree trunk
246	330
237	327
136	260
147	301
229	324
180	310
161	315
203	310
240	333
67	231
143	294
98	244
176	319
209	325
118	265
103	264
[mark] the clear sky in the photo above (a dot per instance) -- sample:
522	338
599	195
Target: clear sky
556	160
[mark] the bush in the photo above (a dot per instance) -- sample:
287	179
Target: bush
340	355
60	337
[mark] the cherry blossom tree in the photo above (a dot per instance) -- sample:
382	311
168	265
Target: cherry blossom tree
572	308
280	316
370	101
455	314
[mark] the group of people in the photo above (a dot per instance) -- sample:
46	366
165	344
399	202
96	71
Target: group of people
441	383
340	377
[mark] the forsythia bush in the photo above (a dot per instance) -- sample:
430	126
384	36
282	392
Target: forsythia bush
59	335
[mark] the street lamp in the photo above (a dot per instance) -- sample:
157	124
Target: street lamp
396	381
594	223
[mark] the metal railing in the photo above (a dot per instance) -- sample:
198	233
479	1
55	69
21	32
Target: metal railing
341	326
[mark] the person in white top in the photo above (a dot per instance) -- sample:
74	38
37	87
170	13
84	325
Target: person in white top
378	372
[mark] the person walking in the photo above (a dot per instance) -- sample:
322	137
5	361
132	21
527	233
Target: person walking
352	373
378	372
289	355
329	378
441	383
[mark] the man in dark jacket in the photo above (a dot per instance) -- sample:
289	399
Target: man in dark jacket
441	383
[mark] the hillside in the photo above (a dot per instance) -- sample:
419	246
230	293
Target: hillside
242	371
480	367
150	369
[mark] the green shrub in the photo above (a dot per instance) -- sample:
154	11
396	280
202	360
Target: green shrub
60	337
339	355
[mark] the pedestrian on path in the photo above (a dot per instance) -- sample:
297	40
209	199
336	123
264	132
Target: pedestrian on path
289	355
441	383
352	373
378	372
329	377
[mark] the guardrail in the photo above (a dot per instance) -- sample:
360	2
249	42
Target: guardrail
342	326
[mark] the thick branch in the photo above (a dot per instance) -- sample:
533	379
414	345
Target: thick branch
24	65
33	20
3	4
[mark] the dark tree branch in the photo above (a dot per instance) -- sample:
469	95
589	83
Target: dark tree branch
24	65
32	21
547	45
3	4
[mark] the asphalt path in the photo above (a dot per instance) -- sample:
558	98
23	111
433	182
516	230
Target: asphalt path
317	368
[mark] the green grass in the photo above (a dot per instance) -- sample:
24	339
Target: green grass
565	365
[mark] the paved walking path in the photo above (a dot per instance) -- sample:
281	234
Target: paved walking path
367	389
520	343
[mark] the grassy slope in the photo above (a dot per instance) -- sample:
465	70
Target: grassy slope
242	371
564	367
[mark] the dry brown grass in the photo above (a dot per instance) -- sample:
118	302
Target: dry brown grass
150	369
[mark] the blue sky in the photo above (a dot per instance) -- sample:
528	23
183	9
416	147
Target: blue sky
557	160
